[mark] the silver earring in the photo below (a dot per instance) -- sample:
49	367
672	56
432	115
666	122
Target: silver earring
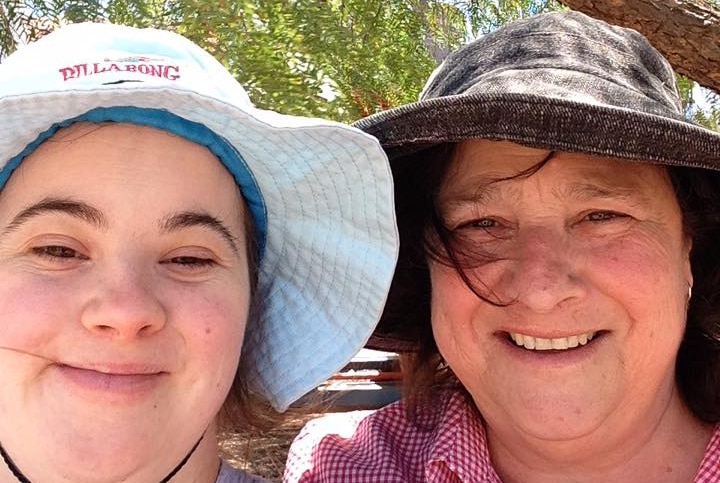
689	292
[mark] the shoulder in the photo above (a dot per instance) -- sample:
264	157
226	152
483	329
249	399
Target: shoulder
380	445
710	465
338	445
228	474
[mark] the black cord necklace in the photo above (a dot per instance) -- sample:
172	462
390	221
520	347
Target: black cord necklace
12	466
24	479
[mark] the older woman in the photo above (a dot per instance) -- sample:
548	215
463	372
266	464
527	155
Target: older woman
558	275
153	223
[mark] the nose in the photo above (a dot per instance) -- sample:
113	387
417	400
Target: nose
124	307
543	273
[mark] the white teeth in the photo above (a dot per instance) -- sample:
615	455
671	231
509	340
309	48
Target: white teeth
540	344
528	342
559	344
543	344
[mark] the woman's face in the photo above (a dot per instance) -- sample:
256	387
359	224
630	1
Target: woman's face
591	259
124	292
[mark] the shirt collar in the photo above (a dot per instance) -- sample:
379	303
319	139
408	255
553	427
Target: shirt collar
460	443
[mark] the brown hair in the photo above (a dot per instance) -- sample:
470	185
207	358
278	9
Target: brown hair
417	180
423	237
698	362
244	410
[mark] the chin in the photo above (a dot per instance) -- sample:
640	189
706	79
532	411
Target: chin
100	466
548	415
559	429
559	420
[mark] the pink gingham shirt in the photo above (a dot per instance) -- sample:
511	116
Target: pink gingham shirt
383	446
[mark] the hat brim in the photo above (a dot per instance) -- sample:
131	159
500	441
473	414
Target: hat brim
331	242
542	122
534	121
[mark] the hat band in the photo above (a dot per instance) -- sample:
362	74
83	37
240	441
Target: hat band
167	121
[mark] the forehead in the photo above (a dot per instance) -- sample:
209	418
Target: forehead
122	168
483	169
86	157
115	142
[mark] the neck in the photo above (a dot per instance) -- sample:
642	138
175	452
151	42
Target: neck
676	438
200	464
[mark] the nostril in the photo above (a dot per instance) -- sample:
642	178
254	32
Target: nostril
104	328
147	328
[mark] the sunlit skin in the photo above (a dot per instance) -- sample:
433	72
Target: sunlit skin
124	293
584	245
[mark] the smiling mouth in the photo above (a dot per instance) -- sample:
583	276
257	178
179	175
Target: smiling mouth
559	344
118	382
115	370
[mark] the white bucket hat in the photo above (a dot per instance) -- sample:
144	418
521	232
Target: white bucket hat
320	192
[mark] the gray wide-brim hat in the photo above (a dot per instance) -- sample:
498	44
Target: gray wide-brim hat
320	192
559	81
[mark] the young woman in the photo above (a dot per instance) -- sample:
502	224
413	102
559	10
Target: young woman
168	251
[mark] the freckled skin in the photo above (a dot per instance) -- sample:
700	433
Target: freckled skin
124	295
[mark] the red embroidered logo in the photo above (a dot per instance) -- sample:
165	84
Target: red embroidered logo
139	64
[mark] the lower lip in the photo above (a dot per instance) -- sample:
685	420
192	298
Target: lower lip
110	385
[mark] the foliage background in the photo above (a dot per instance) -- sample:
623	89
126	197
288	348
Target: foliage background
339	59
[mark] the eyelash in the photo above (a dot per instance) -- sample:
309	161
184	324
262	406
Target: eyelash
481	223
60	253
191	263
57	252
594	217
603	216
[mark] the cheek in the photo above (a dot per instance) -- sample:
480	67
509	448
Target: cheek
212	325
648	274
450	296
32	312
455	312
443	315
648	283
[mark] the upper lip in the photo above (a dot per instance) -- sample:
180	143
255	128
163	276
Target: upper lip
551	343
554	335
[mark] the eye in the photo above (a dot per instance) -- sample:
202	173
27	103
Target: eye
485	232
189	262
482	223
58	253
601	216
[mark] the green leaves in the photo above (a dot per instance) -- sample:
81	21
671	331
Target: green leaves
486	16
699	105
20	23
338	59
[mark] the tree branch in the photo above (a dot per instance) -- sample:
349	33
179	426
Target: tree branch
687	32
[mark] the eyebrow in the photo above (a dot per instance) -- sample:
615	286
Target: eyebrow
187	219
590	191
74	208
488	191
85	212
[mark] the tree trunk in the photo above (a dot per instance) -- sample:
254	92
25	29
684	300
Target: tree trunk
687	32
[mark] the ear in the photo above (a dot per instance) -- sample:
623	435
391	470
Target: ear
687	251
